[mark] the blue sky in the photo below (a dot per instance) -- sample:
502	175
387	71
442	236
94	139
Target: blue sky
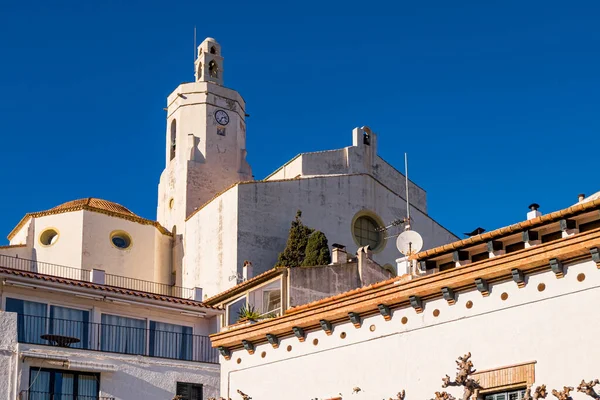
496	104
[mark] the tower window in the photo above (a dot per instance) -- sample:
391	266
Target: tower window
49	237
173	139
213	69
213	50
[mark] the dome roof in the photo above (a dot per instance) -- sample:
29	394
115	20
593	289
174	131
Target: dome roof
94	203
90	204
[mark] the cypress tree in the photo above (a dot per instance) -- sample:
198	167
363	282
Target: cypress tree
294	252
317	250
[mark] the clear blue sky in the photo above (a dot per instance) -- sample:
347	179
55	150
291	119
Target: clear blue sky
497	103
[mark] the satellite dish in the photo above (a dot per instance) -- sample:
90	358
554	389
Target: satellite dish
409	242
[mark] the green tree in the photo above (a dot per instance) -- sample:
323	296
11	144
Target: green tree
317	250
294	252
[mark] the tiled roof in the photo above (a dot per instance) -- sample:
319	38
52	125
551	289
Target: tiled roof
95	203
103	288
265	276
576	209
90	204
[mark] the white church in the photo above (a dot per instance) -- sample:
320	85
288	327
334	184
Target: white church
97	302
212	216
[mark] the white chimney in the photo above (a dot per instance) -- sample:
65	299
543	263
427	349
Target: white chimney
581	197
248	270
338	254
534	213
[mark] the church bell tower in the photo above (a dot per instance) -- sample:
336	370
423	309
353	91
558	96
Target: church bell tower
205	146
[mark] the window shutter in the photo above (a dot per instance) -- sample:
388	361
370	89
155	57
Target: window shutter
196	392
189	391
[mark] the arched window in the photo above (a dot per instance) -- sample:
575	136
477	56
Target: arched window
213	50
173	141
199	70
213	69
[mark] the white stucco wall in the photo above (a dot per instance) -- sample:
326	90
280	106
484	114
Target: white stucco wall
140	260
15	251
21	236
210	241
8	355
68	248
328	204
556	327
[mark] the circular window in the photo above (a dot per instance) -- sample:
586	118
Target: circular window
120	240
49	237
366	232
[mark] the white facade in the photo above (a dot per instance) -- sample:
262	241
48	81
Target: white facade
385	357
121	376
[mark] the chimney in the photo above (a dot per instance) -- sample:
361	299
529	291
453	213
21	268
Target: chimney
248	271
534	213
338	254
581	197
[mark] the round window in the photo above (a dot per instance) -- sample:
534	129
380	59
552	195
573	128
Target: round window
366	232
120	239
49	237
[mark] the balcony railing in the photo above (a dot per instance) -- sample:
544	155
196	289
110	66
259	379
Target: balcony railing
80	274
115	339
39	267
148	286
33	395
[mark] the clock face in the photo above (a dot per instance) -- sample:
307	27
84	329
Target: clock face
222	117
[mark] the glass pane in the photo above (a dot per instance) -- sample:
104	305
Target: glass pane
234	309
31	320
170	341
39	384
501	396
70	323
63	385
87	387
123	335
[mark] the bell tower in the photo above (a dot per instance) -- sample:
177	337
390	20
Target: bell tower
205	146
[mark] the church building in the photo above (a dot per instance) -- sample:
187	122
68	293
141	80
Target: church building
212	215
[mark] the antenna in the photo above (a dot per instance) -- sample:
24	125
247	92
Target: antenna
195	50
407	227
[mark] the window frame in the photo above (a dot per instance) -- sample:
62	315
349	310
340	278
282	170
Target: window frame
53	371
377	222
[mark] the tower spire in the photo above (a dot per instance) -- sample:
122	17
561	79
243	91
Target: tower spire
209	63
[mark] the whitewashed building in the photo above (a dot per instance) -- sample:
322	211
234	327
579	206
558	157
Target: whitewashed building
97	301
519	303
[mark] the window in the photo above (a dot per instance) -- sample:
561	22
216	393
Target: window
213	50
213	69
233	310
120	239
58	384
513	395
366	232
49	237
189	391
33	323
170	341
123	335
173	139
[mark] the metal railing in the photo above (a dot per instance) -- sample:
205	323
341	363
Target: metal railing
116	339
148	286
40	267
81	274
35	395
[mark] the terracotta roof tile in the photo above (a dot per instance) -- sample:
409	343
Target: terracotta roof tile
273	272
104	288
90	204
576	209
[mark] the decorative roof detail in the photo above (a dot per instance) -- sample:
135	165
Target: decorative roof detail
90	204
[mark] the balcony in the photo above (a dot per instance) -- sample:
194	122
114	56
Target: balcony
33	395
115	339
98	277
